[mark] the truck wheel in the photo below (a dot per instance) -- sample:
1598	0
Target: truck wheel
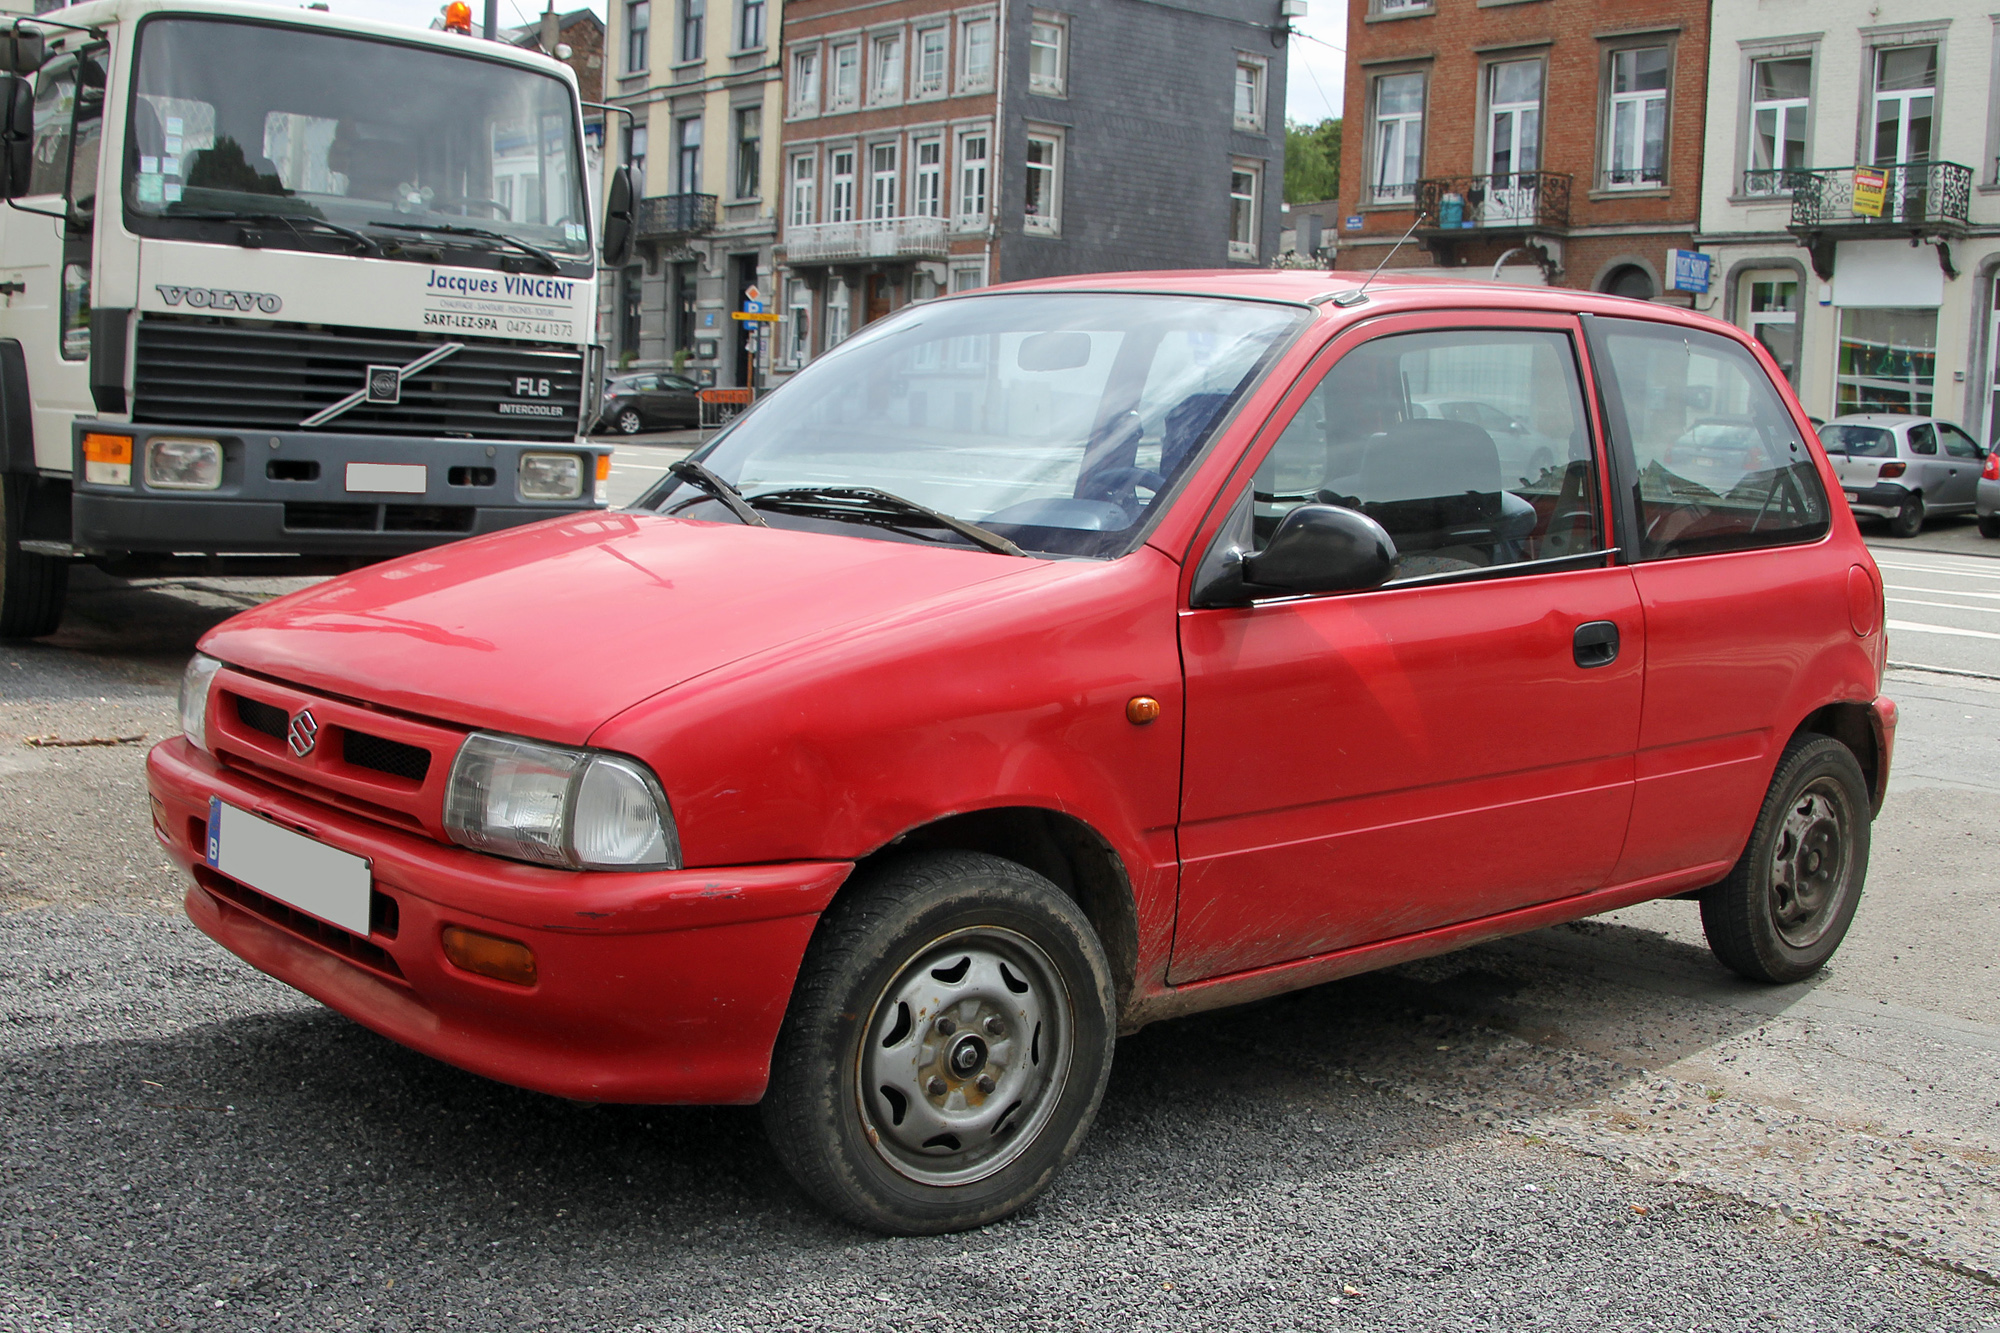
946	1046
628	421
1786	905
1909	520
32	587
1989	525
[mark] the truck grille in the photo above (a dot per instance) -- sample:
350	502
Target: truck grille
223	373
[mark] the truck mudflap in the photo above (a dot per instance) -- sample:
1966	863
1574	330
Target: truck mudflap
319	493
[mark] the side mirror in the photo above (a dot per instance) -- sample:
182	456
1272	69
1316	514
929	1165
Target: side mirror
1317	548
23	50
17	138
619	206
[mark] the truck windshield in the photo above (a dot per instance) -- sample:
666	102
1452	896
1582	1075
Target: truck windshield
232	118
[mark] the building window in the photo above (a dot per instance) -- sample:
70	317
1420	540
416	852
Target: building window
805	191
839	309
1399	137
687	155
749	152
930	62
1250	93
846	74
1888	360
965	277
840	185
927	187
694	29
882	181
635	157
1780	99
805	82
1513	120
1905	103
972	176
1637	157
1043	213
1048	55
798	314
975	44
1401	6
1243	214
885	69
751	30
638	18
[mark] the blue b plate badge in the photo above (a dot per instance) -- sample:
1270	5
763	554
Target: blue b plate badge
298	871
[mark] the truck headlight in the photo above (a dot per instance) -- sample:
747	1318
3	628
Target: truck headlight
195	684
551	477
183	465
556	806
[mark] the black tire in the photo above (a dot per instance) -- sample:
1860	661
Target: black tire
896	967
629	421
1788	902
1909	519
1989	525
32	587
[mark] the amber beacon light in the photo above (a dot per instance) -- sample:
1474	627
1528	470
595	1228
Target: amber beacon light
458	17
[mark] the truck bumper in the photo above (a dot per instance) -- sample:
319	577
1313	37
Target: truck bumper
651	987
292	493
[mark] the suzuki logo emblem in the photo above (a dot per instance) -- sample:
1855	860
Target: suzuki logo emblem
303	734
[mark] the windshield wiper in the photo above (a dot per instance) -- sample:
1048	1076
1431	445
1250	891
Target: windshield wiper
732	499
291	220
836	501
484	233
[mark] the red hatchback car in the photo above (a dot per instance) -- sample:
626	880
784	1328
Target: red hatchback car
1045	662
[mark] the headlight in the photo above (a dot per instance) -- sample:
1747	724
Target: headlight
559	807
551	477
183	465
195	683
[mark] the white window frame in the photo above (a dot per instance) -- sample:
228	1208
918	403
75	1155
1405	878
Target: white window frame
1529	146
798	318
1395	133
1047	222
802	100
1402	6
1048	31
686	180
836	100
970	80
919	87
838	325
973	200
885	74
885	192
927	178
1259	70
1637	102
1245	207
802	190
738	115
963	265
840	185
692	16
1783	110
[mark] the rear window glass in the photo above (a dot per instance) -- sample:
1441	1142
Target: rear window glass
1721	464
1858	441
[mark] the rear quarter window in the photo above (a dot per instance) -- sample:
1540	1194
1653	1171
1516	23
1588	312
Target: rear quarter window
1719	464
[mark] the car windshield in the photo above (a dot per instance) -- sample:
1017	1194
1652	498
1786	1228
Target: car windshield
1055	420
1858	441
233	118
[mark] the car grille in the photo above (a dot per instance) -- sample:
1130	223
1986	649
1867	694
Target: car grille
224	373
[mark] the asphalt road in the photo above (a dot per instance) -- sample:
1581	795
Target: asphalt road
1586	1128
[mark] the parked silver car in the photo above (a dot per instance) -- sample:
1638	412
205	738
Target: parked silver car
1989	495
1903	468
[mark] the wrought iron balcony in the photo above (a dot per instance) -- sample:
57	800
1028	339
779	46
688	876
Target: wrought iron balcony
876	238
1515	201
669	217
1921	197
1773	182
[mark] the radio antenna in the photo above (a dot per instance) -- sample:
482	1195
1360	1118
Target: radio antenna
1360	294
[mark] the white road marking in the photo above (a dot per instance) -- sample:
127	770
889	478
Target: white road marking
1951	570
1948	592
1949	606
1911	627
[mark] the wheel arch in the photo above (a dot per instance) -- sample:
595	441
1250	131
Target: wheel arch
1853	725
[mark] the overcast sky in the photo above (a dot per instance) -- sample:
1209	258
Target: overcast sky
1317	63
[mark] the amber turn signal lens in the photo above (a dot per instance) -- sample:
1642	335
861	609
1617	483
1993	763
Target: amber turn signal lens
1141	709
489	955
107	448
1894	469
604	467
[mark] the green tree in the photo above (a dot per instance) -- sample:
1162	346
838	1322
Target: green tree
1312	161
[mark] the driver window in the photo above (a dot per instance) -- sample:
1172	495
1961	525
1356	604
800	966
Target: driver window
1956	442
1469	446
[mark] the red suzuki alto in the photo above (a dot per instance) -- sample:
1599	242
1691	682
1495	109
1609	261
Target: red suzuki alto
1044	662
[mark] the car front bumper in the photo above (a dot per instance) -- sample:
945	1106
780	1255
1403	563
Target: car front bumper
651	987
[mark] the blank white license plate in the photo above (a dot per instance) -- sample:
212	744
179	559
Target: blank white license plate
1854	495
388	478
317	879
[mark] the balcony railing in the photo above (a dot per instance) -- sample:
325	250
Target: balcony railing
666	217
1773	182
1515	201
877	238
1930	197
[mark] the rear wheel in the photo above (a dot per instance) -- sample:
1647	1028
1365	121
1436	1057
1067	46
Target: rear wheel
1786	905
1909	519
32	587
946	1046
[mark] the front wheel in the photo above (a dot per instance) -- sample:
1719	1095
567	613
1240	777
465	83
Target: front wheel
1786	905
946	1046
32	587
1909	519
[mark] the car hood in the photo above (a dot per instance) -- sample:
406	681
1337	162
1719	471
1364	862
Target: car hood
551	629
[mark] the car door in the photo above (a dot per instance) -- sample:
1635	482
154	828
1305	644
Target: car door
1928	469
1962	459
680	401
1454	744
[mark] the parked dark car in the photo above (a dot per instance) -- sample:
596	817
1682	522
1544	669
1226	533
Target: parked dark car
651	401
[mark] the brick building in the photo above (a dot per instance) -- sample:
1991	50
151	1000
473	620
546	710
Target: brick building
932	146
1563	136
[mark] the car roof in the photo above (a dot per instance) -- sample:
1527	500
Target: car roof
1888	420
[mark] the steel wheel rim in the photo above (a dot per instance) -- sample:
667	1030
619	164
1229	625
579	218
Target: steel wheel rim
964	1056
1810	863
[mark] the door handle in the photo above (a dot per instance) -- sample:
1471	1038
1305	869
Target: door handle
1596	643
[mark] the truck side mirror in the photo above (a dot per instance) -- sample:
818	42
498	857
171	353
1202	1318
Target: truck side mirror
23	50
618	219
17	138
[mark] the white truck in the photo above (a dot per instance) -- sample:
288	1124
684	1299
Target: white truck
281	290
